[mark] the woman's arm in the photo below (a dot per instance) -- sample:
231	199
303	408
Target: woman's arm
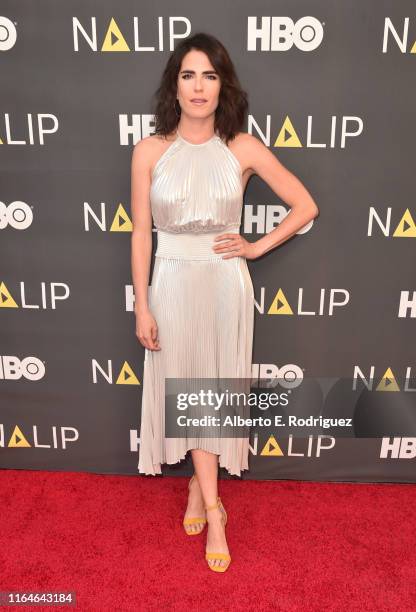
286	185
141	238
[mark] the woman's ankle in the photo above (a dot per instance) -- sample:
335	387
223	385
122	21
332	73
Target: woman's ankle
215	515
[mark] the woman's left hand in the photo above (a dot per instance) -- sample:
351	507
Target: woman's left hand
236	246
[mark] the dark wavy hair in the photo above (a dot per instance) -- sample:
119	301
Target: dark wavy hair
233	100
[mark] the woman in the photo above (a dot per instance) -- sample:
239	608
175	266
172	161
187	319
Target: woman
196	320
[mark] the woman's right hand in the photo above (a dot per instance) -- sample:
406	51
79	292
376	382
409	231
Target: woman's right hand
147	330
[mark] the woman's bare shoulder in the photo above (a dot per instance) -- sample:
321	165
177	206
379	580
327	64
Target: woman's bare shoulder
150	148
242	147
152	142
244	140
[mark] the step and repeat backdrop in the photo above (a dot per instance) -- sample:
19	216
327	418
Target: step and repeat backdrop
331	92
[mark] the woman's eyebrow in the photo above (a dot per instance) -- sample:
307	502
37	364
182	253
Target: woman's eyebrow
203	72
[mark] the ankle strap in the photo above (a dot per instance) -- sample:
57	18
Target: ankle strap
217	505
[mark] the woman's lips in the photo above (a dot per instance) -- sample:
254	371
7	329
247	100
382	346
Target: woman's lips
198	101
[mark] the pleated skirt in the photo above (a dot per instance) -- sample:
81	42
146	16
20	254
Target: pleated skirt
204	309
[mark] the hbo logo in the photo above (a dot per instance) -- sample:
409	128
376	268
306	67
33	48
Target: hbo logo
8	34
281	33
12	368
17	214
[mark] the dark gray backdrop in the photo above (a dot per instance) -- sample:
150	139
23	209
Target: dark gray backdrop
61	406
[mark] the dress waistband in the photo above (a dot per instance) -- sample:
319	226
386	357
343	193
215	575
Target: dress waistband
190	245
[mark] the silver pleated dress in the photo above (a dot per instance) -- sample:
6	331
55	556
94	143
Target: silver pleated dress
203	304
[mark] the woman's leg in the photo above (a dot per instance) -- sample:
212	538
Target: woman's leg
196	506
206	470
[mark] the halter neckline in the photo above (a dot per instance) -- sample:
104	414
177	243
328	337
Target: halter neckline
196	144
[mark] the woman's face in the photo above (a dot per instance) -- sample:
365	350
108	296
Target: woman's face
198	85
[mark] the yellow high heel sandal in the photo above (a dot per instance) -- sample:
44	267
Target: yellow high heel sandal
218	555
193	520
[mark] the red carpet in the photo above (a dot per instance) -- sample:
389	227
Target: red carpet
118	542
